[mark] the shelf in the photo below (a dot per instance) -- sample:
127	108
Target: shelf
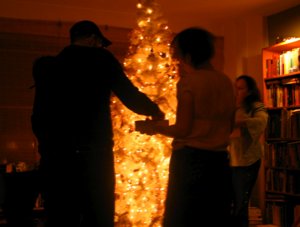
283	168
281	92
283	140
283	194
284	107
282	77
284	46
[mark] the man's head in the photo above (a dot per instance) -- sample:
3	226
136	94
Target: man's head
87	29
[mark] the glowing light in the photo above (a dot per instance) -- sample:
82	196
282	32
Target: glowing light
149	11
291	40
142	161
142	23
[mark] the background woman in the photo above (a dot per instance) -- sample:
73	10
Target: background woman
245	147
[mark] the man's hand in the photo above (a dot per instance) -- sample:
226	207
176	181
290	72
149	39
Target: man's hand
160	116
150	127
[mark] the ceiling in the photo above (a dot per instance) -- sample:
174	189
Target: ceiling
122	13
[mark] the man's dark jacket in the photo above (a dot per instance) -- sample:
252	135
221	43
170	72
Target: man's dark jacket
72	102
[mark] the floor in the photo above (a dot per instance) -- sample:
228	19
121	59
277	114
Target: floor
39	220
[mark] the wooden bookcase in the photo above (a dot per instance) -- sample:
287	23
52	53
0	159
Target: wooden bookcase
281	72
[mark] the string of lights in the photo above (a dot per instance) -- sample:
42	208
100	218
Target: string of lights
142	161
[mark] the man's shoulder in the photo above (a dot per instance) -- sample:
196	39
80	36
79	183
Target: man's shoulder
44	63
43	66
45	60
87	54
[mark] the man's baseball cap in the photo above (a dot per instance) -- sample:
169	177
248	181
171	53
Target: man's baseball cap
85	28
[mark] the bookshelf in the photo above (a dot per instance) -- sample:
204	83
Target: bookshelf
281	74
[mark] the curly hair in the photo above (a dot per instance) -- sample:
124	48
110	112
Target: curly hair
197	43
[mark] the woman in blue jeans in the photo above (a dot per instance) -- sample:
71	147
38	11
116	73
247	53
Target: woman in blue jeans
245	146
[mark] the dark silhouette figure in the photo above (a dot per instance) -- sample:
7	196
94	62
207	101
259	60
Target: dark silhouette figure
72	121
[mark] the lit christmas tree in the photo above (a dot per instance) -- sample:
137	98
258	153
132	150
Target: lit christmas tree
142	161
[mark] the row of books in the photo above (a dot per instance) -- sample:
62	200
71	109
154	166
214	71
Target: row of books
283	155
279	214
254	216
284	123
282	95
282	181
285	63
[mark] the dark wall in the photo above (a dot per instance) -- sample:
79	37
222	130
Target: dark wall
284	24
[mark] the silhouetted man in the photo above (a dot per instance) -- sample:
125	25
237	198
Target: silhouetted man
72	122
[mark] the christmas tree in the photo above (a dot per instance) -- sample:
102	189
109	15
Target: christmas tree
142	161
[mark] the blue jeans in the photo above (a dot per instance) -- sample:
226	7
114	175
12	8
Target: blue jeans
243	180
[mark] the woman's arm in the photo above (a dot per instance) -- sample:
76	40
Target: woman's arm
257	124
184	118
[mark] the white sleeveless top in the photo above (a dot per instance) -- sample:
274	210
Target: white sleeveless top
214	106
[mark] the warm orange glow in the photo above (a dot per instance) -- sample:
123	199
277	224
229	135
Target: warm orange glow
142	161
291	40
149	11
12	145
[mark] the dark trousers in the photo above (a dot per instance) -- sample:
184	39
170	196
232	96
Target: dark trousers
198	189
78	189
21	192
243	180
